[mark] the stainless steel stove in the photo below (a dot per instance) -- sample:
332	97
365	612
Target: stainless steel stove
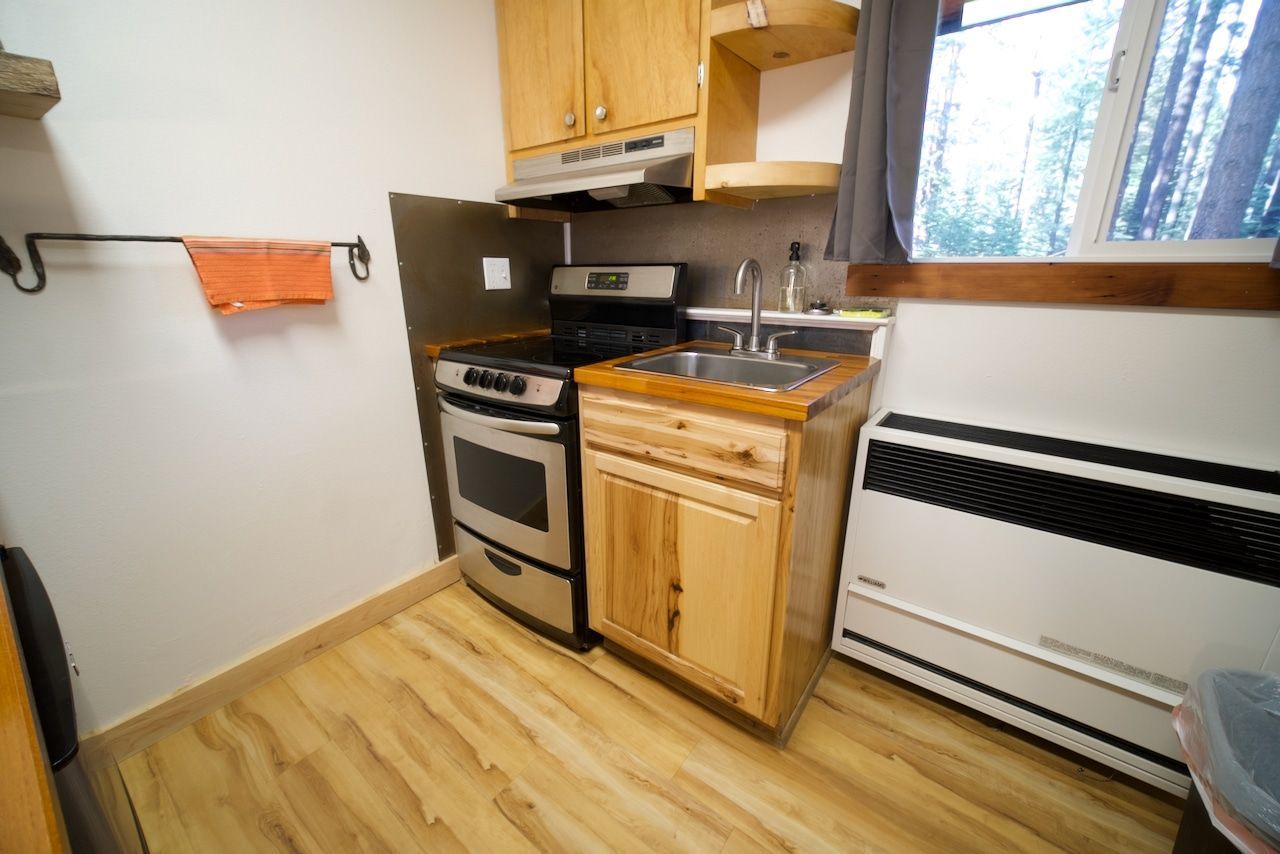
509	422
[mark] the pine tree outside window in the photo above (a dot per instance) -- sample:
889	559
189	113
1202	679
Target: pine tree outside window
1102	130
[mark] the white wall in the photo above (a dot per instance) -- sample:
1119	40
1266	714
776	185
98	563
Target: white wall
1201	383
190	486
803	110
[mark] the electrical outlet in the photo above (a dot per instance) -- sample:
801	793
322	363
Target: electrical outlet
497	274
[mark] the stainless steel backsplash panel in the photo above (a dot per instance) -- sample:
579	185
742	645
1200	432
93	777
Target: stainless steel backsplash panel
439	245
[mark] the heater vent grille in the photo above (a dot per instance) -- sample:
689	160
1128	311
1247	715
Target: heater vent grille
1236	477
1222	538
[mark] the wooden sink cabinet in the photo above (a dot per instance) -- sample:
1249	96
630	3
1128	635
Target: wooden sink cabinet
714	537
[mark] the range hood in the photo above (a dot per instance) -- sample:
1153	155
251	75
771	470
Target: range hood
647	170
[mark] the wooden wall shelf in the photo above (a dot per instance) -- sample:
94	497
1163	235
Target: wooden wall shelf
798	31
28	86
773	179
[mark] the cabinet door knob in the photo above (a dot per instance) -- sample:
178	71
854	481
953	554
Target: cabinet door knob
601	112
569	119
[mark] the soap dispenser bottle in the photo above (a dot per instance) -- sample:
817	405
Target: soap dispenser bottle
794	279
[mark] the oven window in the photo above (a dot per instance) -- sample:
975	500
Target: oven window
509	486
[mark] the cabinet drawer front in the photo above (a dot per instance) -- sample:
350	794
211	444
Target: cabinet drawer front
738	447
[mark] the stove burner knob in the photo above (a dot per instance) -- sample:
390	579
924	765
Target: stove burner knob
486	379
469	378
500	382
518	385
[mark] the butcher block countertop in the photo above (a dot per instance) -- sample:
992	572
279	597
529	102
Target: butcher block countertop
433	350
800	404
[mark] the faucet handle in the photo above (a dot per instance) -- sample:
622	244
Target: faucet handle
737	336
771	343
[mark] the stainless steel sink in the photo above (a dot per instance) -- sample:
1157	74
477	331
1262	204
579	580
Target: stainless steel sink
719	366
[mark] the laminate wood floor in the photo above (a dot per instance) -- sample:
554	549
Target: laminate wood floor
449	727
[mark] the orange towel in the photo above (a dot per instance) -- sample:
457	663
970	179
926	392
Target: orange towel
245	275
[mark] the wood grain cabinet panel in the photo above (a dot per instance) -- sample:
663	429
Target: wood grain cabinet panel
540	56
686	573
713	542
641	61
722	446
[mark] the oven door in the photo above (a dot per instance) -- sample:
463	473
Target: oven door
509	478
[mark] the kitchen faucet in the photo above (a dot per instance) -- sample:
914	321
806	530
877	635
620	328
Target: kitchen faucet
752	347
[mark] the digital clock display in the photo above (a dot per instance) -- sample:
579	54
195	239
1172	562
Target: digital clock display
607	281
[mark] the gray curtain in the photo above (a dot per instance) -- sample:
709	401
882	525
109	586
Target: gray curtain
876	198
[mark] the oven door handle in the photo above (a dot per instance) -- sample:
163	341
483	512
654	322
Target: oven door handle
508	425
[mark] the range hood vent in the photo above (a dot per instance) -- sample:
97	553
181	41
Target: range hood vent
647	170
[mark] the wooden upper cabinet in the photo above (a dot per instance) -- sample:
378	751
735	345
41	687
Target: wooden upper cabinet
641	61
540	56
622	68
683	573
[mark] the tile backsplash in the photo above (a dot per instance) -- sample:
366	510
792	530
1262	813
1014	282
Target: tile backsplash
714	239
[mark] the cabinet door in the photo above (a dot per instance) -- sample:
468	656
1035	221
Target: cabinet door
682	572
642	61
540	55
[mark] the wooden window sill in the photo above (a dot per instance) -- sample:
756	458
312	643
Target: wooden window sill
1251	285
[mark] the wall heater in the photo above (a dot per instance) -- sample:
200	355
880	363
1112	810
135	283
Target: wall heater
1069	588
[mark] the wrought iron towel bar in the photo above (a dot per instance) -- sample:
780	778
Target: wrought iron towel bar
11	265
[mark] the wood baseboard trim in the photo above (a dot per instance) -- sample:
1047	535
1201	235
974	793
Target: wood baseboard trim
784	735
190	703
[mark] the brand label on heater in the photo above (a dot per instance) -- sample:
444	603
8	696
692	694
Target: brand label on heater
874	582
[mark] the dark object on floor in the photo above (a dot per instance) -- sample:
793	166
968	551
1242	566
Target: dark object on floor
43	652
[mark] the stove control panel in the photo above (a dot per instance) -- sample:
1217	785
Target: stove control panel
515	388
601	281
628	281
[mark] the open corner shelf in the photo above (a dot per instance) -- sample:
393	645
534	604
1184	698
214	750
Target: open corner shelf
28	86
772	179
765	35
798	31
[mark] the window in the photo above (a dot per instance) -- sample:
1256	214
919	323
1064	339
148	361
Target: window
1140	130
